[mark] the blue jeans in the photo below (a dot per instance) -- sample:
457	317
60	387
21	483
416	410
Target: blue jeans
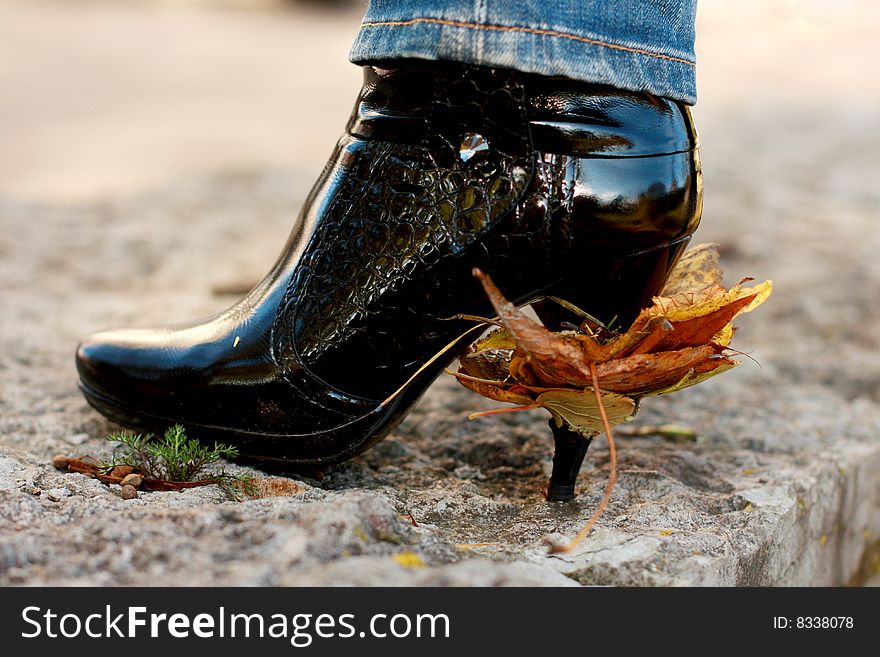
640	45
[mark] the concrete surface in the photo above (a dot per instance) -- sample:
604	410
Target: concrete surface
782	485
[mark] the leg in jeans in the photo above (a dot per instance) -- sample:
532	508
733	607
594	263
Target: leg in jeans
627	44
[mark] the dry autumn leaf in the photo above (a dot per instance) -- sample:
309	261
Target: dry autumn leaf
592	380
679	341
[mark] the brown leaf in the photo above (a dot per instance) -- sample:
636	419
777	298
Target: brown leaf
121	471
638	374
497	391
675	343
700	373
553	361
492	365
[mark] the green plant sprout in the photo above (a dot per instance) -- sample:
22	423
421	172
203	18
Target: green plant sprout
175	458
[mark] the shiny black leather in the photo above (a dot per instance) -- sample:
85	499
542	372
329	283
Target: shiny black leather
584	192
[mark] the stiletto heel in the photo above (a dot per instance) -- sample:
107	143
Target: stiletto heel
628	288
568	457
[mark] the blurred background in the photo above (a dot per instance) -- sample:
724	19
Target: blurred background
110	96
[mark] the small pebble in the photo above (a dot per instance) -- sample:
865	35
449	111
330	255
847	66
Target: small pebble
133	480
121	471
59	461
129	492
57	494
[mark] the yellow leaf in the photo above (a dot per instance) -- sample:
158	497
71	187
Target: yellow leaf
763	290
667	532
709	300
489	357
581	411
724	336
408	560
697	268
498	338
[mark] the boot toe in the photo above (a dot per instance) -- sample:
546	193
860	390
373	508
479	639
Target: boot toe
113	363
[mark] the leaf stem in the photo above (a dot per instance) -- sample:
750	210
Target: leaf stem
496	411
476	379
612	477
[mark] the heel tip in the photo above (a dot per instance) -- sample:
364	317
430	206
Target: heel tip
560	492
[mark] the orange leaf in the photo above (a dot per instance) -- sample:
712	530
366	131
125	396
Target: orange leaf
641	373
700	330
496	392
674	343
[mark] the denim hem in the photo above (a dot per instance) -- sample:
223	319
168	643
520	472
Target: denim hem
531	50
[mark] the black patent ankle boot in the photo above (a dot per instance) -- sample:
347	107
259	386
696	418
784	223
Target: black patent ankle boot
551	186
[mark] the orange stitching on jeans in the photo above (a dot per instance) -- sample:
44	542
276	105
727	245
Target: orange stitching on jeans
529	30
